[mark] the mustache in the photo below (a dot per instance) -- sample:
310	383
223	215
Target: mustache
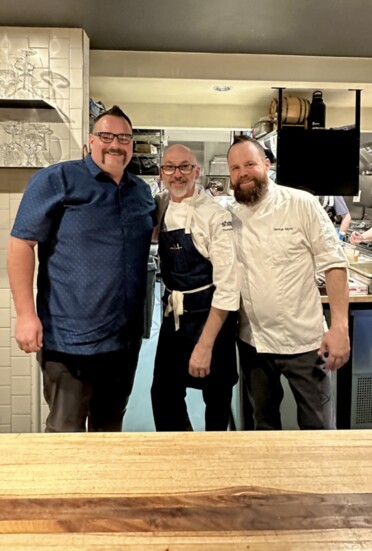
113	150
243	180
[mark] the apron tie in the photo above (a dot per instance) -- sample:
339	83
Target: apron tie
175	303
190	210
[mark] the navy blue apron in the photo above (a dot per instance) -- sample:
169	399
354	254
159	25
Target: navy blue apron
183	268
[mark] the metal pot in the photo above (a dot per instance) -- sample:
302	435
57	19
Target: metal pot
262	127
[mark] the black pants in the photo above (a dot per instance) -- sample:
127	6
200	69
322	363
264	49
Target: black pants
170	410
171	378
310	384
88	392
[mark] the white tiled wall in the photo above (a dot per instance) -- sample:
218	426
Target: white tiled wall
15	366
64	51
52	65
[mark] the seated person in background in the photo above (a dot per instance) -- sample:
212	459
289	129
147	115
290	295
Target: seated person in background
196	346
357	237
337	210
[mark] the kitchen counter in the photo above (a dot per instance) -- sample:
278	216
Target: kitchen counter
353	299
276	491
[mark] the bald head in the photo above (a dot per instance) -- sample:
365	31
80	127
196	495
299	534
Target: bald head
179	150
179	171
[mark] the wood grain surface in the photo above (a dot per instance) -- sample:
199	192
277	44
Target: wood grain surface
186	491
353	299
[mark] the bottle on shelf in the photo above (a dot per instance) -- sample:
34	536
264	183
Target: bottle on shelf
317	117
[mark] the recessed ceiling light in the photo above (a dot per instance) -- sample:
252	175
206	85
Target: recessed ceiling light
222	88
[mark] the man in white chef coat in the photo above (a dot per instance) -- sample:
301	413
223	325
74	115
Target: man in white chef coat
283	236
196	345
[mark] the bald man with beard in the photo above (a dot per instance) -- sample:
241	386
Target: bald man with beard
283	236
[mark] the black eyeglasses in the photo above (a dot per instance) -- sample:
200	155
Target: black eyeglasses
185	169
108	137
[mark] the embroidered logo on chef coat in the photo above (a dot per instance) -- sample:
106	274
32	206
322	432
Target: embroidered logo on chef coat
283	229
227	225
176	247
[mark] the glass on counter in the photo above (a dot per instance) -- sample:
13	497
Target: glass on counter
352	253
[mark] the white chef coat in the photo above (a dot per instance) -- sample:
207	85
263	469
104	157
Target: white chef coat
211	232
281	243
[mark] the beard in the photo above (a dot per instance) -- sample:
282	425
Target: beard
116	152
252	195
180	192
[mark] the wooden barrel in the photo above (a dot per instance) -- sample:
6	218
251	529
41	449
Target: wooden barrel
295	110
273	109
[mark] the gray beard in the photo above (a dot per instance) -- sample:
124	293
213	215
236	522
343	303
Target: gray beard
250	196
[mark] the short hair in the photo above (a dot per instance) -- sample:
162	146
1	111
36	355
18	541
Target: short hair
115	111
242	139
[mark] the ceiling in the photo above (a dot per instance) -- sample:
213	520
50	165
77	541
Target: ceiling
287	27
337	28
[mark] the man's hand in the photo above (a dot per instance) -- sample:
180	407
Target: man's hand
356	237
200	361
201	357
335	347
29	333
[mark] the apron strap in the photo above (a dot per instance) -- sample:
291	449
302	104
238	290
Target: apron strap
175	303
190	210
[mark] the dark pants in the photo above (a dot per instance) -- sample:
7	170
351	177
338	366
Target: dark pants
310	384
170	410
87	392
171	377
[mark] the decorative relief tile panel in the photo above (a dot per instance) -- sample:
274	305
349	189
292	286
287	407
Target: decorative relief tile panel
45	65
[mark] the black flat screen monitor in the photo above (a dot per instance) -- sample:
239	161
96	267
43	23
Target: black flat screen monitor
322	161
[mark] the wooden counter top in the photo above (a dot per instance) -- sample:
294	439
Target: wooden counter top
353	299
264	491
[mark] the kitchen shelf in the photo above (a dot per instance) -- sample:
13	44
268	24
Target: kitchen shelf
148	136
152	137
135	154
28	110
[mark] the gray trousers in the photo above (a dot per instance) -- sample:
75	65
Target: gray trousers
311	386
87	392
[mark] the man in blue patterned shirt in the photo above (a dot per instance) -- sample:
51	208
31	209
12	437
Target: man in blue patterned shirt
92	221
